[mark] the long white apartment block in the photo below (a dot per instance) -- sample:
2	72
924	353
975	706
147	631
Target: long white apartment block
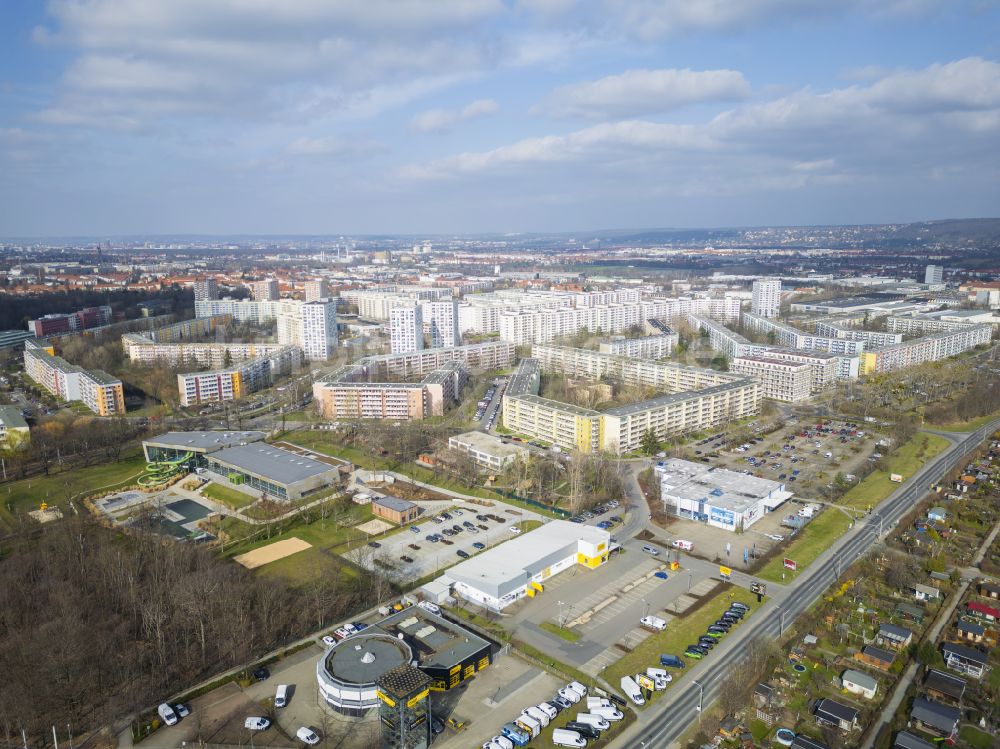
645	347
871	338
766	297
933	347
921	325
693	399
848	352
489	355
406	329
779	380
722	339
240	379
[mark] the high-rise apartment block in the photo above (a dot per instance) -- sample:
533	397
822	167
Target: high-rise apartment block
206	289
442	320
766	300
934	274
406	329
319	329
316	290
266	290
72	322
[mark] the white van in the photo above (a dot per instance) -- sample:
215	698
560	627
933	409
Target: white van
256	724
529	724
680	543
578	688
632	691
596	721
537	714
281	696
570	694
167	714
654	623
659	676
548	710
563	737
607	712
593	702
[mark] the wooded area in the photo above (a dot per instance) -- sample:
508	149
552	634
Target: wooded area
95	624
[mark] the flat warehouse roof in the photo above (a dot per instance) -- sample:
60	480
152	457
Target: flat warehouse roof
684	479
203	441
272	463
510	565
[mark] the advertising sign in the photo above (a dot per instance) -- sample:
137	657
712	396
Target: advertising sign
725	571
645	682
790	564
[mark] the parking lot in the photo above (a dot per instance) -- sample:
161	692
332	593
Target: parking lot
489	406
411	554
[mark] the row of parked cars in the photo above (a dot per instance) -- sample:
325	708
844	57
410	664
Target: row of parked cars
597	511
600	713
729	619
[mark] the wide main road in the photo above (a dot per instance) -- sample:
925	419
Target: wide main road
680	708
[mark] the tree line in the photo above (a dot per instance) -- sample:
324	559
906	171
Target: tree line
96	625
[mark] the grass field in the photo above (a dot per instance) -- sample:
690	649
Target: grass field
680	632
976	738
905	461
818	535
58	487
232	498
967	426
321	443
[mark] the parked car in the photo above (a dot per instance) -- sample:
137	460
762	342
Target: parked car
479	545
462	553
651	551
307	736
167	714
256	723
375	544
181	710
329	641
261	673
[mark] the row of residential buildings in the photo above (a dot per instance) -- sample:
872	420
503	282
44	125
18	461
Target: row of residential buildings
693	399
99	391
70	322
312	326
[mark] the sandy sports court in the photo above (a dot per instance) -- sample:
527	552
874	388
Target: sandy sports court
375	527
272	552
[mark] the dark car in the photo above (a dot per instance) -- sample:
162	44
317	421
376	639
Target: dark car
478	545
617	700
469	524
462	553
375	544
706	642
445	516
261	674
436	726
457	528
723	624
584	729
738	613
432	538
738	605
694	651
406	559
555	705
562	702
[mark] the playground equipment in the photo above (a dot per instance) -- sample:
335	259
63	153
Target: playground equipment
160	471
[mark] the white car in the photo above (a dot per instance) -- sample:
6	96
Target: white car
501	741
307	736
181	710
256	723
515	530
428	606
329	641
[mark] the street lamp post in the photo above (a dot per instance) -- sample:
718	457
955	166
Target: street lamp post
701	694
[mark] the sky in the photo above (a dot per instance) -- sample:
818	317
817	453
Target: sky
123	117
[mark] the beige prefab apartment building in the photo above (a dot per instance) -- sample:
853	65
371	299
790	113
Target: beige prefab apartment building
349	394
779	380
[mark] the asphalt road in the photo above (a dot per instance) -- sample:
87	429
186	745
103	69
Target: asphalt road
680	709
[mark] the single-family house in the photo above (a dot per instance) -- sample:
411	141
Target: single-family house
856	682
833	713
876	657
937	514
925	592
969	631
965	660
982	611
910	612
934	718
730	727
894	637
906	740
763	694
943	687
804	742
989	590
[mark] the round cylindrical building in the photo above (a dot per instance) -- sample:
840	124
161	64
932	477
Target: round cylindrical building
349	670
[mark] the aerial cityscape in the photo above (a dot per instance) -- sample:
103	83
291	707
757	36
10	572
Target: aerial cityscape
481	373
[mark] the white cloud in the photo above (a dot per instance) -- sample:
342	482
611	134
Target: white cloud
444	120
332	147
906	123
638	92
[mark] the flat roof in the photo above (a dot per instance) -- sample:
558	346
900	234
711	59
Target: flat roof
509	566
363	658
487	443
103	378
202	441
435	641
393	503
719	487
665	400
524	381
10	417
272	463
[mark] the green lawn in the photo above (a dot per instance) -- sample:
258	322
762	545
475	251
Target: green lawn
304	566
321	442
680	632
232	498
566	634
966	426
58	487
809	543
976	738
905	461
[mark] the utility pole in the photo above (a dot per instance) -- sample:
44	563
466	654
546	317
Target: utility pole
701	694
